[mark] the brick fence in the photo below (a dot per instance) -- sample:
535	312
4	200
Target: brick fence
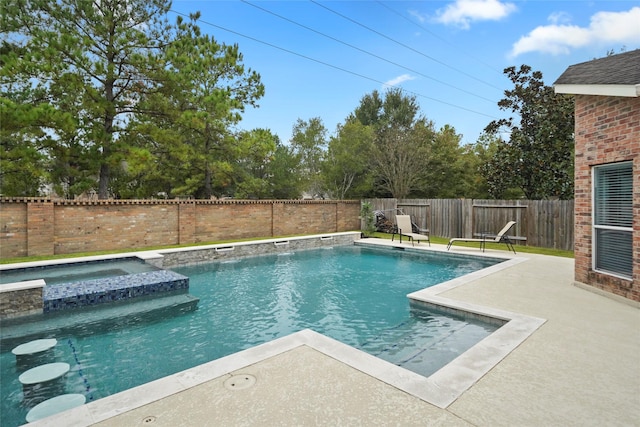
33	226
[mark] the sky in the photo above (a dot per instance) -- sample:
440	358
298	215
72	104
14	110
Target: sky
319	58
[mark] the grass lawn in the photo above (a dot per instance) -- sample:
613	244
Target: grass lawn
498	246
437	240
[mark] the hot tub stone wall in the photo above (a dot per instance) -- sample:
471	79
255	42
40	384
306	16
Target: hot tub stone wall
21	302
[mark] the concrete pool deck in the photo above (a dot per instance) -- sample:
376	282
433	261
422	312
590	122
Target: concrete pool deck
578	367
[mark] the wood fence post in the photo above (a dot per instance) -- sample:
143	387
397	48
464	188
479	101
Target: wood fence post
466	206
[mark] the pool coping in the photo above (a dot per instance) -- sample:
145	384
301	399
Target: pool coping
22	286
440	389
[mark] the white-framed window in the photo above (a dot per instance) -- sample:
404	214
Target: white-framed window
613	219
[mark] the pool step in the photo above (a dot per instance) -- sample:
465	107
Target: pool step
421	346
72	322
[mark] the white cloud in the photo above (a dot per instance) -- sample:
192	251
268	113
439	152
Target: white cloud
420	17
553	39
604	28
462	12
559	18
397	80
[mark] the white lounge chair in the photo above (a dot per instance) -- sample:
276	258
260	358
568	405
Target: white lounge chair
501	237
405	228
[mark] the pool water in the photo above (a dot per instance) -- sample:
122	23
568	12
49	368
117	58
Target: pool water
352	294
76	272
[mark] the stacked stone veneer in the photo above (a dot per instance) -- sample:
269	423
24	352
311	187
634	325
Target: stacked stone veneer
21	302
31	227
607	130
197	255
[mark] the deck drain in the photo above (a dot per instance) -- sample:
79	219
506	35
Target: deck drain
239	382
148	420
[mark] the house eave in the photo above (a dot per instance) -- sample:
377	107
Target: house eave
631	91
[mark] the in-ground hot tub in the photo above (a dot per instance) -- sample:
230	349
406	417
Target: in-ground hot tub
79	284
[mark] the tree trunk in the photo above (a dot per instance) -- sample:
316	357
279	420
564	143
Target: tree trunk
109	117
103	184
208	191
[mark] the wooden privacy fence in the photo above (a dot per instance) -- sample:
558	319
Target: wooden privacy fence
541	223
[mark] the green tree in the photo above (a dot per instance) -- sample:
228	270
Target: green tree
205	89
478	156
402	139
309	142
494	168
394	111
71	166
23	145
217	87
283	170
399	158
368	219
445	171
28	122
369	112
158	145
100	54
258	147
73	161
346	167
538	157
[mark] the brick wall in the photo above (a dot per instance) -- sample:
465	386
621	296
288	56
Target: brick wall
607	130
39	228
245	220
85	227
43	227
13	230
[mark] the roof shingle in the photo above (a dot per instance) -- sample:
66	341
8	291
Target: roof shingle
620	69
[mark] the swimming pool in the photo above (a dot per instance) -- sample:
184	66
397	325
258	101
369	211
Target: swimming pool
263	298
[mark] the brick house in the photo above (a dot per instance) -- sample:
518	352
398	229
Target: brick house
607	171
